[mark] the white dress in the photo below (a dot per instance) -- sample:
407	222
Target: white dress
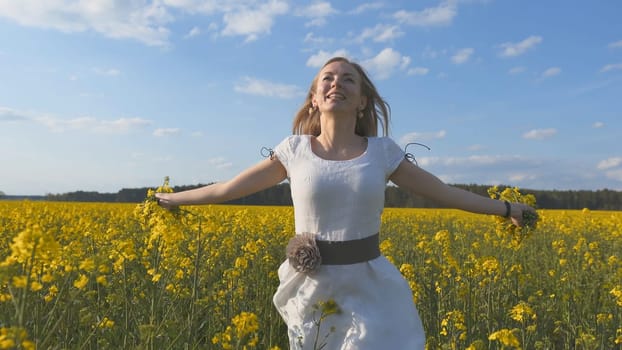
343	200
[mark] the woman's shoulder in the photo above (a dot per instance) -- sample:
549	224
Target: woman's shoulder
382	140
386	145
297	137
293	142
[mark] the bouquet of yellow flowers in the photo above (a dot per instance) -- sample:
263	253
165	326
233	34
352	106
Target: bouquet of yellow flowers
530	219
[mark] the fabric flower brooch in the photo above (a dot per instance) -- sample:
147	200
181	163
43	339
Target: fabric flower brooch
303	253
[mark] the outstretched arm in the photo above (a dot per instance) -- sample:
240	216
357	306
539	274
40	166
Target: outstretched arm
264	174
421	182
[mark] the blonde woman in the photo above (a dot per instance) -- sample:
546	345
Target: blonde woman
338	169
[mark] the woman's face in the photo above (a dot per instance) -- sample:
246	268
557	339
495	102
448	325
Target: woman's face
338	89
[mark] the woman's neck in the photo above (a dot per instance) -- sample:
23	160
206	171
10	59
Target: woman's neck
337	130
337	139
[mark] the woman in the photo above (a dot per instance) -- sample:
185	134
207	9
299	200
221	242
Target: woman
338	169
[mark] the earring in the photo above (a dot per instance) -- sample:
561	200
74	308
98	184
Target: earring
360	114
311	110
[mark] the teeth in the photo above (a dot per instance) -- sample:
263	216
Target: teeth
336	96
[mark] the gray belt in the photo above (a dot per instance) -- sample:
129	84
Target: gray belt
349	252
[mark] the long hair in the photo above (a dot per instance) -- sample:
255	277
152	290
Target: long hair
376	111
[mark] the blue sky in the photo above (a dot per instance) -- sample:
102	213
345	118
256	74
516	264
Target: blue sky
100	95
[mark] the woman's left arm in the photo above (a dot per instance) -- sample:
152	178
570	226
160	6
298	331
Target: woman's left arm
416	180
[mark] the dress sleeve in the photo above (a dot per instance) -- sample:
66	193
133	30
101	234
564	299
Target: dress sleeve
283	152
393	155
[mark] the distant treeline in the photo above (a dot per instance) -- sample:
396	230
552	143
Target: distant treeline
395	197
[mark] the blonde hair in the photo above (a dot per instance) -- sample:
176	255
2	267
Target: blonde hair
376	111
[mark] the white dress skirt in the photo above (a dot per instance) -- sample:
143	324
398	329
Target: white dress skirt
340	201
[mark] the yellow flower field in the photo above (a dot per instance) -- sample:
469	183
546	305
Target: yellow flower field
124	276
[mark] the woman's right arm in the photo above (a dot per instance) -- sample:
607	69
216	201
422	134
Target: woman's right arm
264	174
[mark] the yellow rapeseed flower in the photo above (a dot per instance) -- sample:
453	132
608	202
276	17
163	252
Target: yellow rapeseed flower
106	323
102	280
35	286
506	337
6	343
81	281
521	312
612	261
88	265
490	265
29	345
47	278
20	281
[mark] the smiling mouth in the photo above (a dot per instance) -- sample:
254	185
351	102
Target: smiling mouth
335	96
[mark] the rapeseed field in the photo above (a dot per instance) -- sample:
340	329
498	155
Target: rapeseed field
126	276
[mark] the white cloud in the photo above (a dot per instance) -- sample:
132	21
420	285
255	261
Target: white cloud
320	58
526	172
148	21
614	174
161	132
516	49
367	7
200	6
429	53
91	124
610	67
107	71
121	125
540	134
470	161
317	13
615	45
476	148
517	70
253	86
12	115
598	125
422	137
193	32
386	62
612	167
253	22
609	163
418	71
520	177
248	18
441	15
136	20
220	163
551	72
380	33
462	55
312	39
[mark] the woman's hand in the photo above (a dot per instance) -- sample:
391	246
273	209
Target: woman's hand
165	200
523	215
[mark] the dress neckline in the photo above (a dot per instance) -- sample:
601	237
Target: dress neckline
359	156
